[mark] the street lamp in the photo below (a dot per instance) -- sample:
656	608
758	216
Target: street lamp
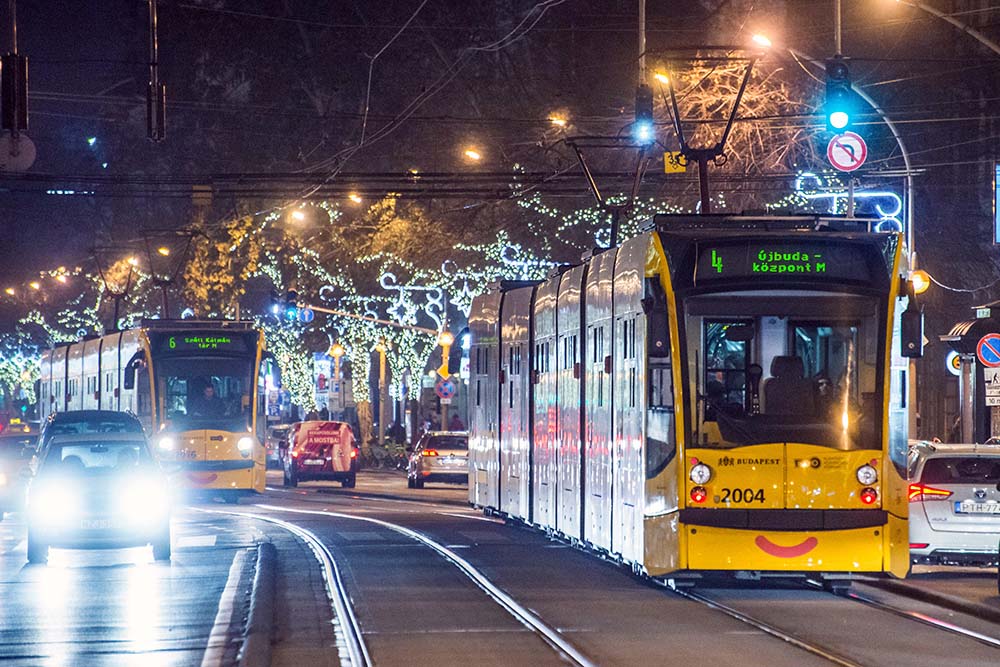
472	154
558	120
662	78
163	250
298	215
355	197
921	281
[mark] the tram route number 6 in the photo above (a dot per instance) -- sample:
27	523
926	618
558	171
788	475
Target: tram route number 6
742	495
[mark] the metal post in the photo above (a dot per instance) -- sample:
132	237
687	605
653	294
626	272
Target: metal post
837	25
642	41
966	391
706	204
336	380
850	198
13	26
381	395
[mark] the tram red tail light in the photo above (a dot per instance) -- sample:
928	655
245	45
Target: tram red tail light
429	452
699	494
354	453
922	492
869	496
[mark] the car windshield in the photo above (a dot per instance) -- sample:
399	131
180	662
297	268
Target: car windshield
962	470
784	366
81	458
205	392
447	442
110	423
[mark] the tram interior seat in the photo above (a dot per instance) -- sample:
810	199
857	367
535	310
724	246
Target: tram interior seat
788	391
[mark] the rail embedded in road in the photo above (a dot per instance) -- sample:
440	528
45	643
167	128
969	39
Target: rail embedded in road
354	651
548	634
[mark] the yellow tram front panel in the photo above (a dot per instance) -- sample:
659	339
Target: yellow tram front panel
855	550
824	478
211	460
748	477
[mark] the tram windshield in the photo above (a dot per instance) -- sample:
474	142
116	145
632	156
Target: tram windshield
785	366
205	392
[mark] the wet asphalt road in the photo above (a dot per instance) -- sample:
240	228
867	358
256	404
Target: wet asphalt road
413	605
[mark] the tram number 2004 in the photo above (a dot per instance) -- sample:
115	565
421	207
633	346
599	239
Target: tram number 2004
742	496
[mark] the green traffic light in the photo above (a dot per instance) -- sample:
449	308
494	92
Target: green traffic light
839	120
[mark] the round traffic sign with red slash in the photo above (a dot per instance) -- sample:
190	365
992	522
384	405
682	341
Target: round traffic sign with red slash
444	388
847	151
988	350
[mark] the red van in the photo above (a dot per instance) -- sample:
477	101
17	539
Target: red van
319	450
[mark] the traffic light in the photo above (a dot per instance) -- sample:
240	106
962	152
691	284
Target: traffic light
643	130
839	96
291	303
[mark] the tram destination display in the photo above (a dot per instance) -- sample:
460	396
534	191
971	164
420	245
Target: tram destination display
202	341
725	261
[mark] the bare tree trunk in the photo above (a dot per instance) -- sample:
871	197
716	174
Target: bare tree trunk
364	409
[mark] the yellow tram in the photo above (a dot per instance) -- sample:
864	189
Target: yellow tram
717	394
198	388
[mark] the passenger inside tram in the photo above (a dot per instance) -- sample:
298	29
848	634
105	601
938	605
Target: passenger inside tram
820	374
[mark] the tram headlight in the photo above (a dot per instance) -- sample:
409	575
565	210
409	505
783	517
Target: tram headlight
867	475
700	473
167	443
245	445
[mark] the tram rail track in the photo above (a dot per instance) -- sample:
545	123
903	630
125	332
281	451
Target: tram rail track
551	636
354	651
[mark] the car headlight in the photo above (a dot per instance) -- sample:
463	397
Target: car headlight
245	444
52	504
167	443
701	473
867	475
142	499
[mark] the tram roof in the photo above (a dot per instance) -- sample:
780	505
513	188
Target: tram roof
721	222
187	325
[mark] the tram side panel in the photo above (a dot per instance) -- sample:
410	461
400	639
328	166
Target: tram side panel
546	414
484	446
661	537
515	418
108	399
74	375
569	383
629	389
598	400
90	399
46	398
896	541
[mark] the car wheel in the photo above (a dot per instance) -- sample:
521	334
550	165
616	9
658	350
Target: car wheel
38	552
161	548
350	482
418	483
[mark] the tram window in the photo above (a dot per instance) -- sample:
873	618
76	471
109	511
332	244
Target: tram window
829	356
726	361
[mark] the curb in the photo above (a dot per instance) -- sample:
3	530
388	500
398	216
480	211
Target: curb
951	602
256	649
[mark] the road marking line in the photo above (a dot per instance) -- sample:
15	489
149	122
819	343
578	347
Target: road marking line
196	541
215	650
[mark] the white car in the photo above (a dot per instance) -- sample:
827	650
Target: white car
440	456
954	503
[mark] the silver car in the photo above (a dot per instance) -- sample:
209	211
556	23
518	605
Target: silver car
440	456
954	503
